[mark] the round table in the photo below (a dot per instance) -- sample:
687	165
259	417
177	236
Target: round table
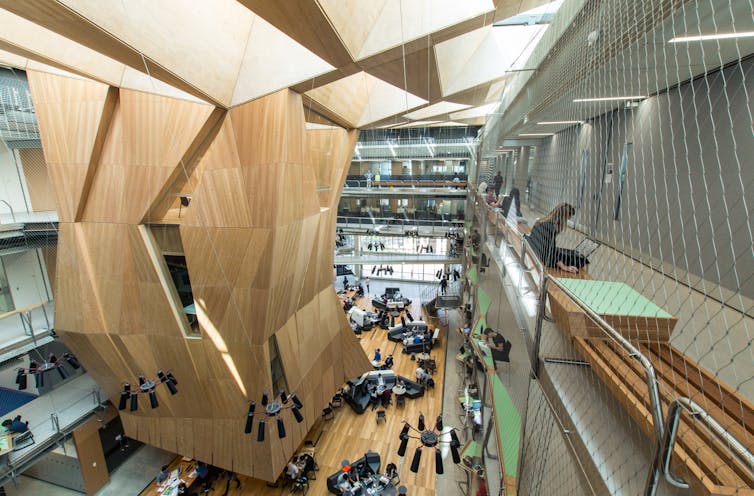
422	356
399	390
395	314
376	364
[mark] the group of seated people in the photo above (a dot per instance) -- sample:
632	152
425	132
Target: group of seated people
363	477
381	393
205	476
300	466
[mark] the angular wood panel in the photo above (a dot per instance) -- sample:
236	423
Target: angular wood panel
258	240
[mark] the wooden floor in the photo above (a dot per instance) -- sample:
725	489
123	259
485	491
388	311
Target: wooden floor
350	435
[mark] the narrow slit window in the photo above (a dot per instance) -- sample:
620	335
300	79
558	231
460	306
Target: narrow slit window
276	367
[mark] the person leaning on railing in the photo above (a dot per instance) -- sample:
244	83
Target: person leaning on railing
542	240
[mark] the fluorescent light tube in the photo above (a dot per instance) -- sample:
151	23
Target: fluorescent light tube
537	134
708	37
548	123
609	98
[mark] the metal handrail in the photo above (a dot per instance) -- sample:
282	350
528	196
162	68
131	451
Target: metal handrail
665	429
12	213
662	458
649	370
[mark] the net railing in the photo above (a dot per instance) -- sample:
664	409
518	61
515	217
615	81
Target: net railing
651	146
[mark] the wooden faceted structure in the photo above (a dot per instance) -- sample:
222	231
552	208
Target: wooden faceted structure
258	240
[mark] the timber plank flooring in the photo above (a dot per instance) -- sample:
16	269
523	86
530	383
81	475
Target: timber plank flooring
350	435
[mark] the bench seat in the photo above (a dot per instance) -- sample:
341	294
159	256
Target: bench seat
699	457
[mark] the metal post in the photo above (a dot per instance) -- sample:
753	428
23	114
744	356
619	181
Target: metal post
55	422
541	304
663	455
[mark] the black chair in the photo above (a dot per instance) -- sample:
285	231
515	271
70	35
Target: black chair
380	416
337	400
373	461
327	413
505	356
400	401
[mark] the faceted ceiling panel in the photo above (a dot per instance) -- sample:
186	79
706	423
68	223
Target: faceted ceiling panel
370	27
484	55
472	113
225	50
361	99
438	108
61	56
273	61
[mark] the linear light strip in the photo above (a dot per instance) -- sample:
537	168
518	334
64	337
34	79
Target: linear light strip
708	37
609	98
550	123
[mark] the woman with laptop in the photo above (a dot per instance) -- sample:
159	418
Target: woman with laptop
542	241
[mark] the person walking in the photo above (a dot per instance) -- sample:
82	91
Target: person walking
366	283
497	183
443	284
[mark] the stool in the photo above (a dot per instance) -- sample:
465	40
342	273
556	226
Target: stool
400	401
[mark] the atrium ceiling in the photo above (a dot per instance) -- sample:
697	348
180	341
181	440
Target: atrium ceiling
358	63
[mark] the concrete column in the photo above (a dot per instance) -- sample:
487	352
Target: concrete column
522	169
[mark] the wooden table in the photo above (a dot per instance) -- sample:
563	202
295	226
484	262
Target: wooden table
6	443
170	486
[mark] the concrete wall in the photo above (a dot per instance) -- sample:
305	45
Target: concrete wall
12	190
685	196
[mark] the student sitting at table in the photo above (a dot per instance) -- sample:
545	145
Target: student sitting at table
388	362
391	472
307	464
163	475
292	470
16	426
377	356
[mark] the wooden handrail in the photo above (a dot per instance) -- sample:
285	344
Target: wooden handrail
24	309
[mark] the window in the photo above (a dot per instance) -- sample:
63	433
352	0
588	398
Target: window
180	277
276	367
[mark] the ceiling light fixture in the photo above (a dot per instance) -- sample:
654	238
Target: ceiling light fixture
554	123
273	408
149	387
609	98
38	369
709	37
429	439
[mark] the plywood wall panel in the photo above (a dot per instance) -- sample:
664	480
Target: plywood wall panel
258	241
41	194
70	114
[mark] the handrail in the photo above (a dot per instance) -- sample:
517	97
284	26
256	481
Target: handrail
649	370
665	429
662	458
24	309
12	214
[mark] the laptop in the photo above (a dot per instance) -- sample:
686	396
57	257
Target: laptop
587	246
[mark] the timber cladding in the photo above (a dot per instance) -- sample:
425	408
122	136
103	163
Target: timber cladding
258	240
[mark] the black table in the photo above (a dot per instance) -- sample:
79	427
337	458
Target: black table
374	486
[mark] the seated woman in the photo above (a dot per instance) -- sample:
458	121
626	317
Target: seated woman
391	472
513	198
542	241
